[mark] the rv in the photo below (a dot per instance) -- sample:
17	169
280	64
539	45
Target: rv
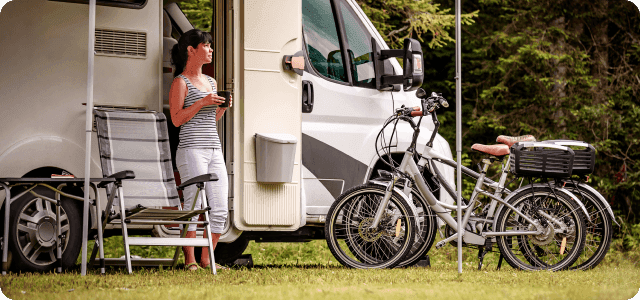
334	109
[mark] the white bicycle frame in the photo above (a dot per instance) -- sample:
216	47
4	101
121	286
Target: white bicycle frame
409	167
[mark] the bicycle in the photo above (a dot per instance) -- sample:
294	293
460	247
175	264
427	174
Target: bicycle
550	230
599	228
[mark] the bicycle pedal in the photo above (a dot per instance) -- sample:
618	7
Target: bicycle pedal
440	244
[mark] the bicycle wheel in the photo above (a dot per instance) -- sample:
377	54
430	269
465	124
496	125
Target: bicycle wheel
563	237
599	229
356	245
426	233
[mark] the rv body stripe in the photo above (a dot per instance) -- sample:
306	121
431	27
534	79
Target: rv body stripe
325	161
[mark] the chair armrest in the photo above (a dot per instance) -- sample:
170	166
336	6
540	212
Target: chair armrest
127	174
198	179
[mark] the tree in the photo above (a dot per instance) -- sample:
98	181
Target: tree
421	19
199	13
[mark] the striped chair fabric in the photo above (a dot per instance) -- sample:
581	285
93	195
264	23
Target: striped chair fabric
138	141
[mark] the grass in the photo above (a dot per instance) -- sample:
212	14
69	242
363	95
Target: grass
309	271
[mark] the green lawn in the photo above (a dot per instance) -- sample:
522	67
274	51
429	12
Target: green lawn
308	271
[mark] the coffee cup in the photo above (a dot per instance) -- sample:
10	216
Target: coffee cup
226	95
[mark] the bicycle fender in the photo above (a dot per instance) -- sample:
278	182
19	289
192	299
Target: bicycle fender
601	198
567	193
574	198
414	209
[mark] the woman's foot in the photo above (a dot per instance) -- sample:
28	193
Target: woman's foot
192	266
189	257
204	258
218	267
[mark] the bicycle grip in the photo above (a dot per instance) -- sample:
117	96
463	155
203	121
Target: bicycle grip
416	113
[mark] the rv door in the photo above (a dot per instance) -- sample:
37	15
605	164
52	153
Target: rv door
267	102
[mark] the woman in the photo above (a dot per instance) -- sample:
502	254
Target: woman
194	108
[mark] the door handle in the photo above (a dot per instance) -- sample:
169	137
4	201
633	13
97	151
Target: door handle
294	62
307	96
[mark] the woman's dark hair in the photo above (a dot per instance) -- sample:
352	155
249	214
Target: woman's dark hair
193	38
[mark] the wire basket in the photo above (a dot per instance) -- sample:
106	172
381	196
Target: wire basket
585	158
540	161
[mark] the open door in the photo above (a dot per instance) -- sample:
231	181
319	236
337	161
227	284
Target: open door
267	101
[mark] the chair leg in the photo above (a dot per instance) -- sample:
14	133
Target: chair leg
207	230
102	224
125	234
176	255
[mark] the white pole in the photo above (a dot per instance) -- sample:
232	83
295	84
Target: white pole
459	130
88	128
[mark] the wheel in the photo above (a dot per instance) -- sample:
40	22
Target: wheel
356	245
599	229
544	251
32	231
426	233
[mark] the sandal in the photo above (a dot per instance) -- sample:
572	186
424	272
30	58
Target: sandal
218	267
188	267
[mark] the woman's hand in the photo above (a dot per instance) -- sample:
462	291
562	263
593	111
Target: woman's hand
211	99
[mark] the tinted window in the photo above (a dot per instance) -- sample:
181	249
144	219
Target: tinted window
322	40
358	46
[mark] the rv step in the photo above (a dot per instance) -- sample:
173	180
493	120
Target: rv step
154	241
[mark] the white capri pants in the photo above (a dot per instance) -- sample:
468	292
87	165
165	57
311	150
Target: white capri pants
192	162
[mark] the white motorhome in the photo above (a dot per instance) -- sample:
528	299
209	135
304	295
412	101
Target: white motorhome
333	110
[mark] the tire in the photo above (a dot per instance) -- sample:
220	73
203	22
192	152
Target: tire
599	229
426	233
543	251
350	240
32	232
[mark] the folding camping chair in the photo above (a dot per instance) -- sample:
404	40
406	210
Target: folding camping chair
134	149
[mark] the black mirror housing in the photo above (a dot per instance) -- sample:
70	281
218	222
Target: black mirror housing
413	69
413	65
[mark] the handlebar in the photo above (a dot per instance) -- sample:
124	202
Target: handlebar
416	113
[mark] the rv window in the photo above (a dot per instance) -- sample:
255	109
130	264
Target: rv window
135	4
359	47
321	36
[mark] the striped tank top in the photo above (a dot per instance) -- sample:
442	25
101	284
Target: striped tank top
200	131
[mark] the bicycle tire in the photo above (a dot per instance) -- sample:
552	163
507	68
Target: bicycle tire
543	251
599	229
426	233
350	240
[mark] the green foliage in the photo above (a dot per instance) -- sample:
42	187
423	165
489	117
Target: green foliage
422	19
199	13
555	69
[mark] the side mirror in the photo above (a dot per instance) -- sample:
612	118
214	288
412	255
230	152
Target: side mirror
413	73
421	93
412	65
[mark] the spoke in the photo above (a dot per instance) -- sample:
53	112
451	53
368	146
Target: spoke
63	216
35	254
38	203
64	229
28	218
52	255
48	209
30	228
27	249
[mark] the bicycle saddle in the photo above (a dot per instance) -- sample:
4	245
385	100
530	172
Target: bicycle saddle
495	150
510	140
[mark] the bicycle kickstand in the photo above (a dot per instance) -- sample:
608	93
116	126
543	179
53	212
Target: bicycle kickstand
488	245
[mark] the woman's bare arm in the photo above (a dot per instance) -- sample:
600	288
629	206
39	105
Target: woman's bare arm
178	92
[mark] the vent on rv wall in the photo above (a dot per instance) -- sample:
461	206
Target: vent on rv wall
121	43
